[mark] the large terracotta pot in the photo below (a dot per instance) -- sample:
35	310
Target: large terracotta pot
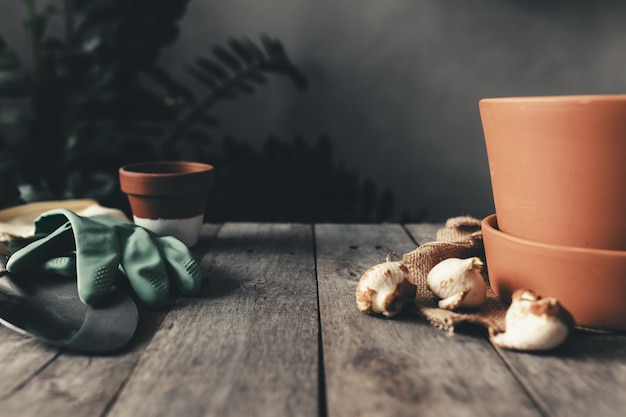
168	197
558	168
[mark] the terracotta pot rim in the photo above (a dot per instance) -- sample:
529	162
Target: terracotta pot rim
563	99
175	168
490	225
166	178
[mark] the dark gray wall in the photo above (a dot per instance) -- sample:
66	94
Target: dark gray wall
395	83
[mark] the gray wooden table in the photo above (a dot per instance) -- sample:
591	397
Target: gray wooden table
276	332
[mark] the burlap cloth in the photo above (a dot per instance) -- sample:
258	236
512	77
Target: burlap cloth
461	237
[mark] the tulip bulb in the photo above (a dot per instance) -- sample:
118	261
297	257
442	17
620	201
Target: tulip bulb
458	282
385	289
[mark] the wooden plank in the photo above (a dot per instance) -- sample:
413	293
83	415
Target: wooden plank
39	380
584	377
400	366
248	345
21	358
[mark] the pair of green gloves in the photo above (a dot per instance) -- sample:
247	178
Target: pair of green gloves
96	249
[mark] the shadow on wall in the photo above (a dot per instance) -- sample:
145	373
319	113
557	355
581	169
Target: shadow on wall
396	83
292	181
97	101
393	86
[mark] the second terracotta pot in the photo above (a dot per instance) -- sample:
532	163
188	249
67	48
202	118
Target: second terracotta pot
558	168
590	283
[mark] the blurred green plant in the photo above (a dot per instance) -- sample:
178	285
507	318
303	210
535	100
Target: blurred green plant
96	97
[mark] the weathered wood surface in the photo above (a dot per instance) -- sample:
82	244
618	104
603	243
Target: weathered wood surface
248	344
584	377
276	332
402	366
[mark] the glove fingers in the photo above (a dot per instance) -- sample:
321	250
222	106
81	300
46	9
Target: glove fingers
97	252
143	266
182	267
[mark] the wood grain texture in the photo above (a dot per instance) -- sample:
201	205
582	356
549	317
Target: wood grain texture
21	358
401	366
38	380
584	377
248	344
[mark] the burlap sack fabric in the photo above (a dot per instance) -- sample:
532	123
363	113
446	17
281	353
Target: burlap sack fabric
461	237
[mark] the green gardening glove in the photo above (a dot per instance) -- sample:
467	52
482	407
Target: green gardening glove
95	249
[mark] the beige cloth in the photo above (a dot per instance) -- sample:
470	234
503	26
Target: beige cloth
460	238
18	221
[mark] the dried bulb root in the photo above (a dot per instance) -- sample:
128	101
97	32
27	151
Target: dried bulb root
385	289
533	323
458	282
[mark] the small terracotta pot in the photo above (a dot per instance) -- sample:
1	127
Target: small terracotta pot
168	197
558	168
590	283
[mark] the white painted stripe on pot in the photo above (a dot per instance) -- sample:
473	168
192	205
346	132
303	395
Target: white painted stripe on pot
186	230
